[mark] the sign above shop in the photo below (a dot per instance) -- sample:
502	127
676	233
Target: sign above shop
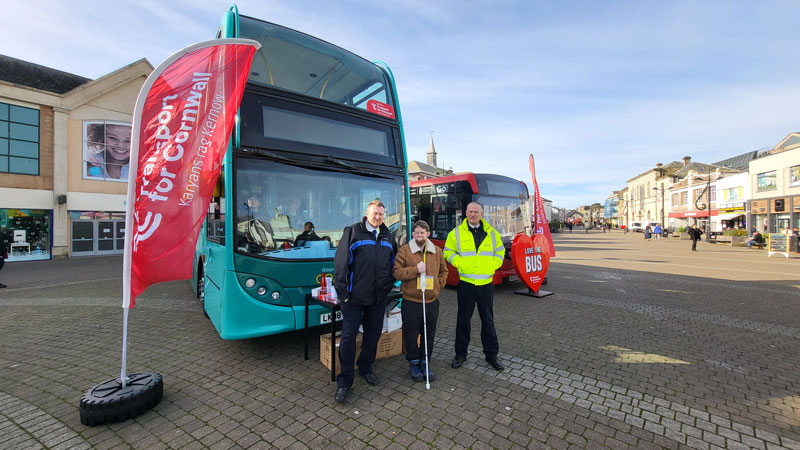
758	206
734	209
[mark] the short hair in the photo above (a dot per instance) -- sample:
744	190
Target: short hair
474	203
308	226
421	224
377	203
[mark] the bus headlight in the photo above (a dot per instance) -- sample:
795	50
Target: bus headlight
250	283
262	290
276	295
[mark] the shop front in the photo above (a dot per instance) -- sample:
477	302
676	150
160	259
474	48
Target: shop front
26	233
688	218
775	215
96	233
732	216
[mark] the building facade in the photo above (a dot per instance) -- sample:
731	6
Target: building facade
774	180
64	151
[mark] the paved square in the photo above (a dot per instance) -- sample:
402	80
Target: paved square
643	345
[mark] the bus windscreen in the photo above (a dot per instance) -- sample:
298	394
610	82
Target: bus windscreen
279	204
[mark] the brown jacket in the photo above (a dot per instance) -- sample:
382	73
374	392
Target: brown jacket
405	270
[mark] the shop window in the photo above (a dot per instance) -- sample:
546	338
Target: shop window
767	181
19	139
106	150
25	234
794	176
732	194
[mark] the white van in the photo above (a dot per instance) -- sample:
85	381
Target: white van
636	226
652	225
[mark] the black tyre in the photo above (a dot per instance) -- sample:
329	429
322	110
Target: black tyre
110	402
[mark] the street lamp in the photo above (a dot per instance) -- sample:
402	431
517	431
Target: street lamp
707	205
663	224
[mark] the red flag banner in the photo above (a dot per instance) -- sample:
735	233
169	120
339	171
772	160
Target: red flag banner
182	124
540	220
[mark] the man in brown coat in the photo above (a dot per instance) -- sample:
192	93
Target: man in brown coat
416	262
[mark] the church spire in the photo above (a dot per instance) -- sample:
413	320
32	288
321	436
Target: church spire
432	153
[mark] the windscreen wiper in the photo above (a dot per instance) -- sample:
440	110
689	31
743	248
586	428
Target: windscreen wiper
339	162
273	156
360	170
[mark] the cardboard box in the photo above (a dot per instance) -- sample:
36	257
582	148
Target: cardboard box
393	320
325	350
390	344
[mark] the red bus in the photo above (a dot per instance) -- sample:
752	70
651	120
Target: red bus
442	202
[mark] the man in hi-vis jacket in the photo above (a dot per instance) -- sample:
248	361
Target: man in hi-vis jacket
475	249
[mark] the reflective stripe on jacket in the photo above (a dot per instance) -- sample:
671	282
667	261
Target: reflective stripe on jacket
476	266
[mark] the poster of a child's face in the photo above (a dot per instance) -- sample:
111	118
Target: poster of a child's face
106	150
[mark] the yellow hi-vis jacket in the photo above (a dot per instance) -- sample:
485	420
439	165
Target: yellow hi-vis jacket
476	266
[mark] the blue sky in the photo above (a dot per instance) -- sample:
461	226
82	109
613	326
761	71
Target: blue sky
597	91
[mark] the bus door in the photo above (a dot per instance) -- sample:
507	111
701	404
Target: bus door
213	254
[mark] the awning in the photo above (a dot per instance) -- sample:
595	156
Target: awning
730	216
692	214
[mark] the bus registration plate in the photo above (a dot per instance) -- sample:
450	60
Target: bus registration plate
326	318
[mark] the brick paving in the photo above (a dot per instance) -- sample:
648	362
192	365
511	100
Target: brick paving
644	345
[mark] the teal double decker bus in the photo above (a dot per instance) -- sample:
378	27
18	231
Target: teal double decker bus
319	136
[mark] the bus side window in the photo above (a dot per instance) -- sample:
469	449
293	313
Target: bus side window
215	226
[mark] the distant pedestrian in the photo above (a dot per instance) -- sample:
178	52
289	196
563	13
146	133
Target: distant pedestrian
648	233
569	225
657	231
695	234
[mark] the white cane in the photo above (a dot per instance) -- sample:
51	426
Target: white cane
424	285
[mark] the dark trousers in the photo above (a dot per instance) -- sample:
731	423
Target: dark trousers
470	295
352	317
694	244
412	327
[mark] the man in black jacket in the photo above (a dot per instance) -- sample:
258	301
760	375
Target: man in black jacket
695	234
362	278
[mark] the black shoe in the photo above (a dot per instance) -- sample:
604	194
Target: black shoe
2	285
495	363
341	394
371	379
458	361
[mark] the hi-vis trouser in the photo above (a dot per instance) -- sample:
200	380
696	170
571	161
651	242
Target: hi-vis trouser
475	266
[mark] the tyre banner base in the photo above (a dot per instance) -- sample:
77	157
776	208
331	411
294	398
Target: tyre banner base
538	294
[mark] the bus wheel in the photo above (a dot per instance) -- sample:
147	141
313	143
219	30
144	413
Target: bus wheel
110	402
201	281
